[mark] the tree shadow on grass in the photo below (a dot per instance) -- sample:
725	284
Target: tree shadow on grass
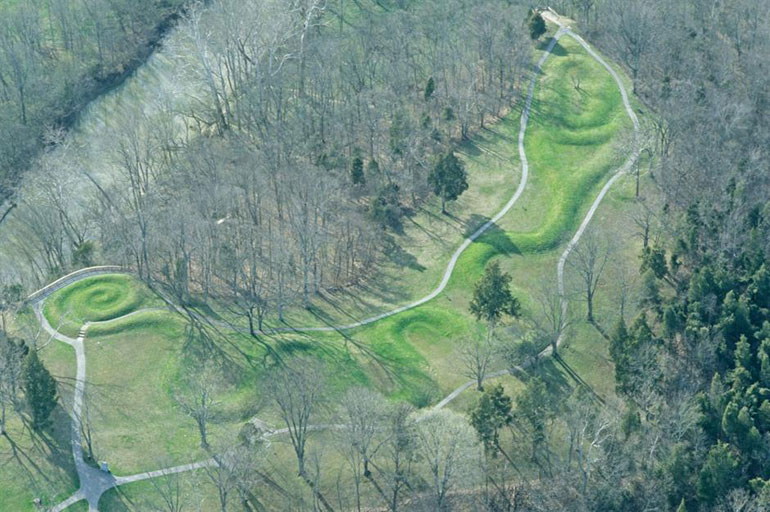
445	218
494	236
470	147
31	452
558	49
577	378
58	440
396	254
489	137
407	379
404	377
545	113
559	377
355	302
116	500
405	374
388	292
548	370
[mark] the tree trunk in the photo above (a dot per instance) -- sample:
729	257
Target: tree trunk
590	303
202	430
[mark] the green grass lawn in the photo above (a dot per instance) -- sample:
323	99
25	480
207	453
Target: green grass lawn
277	460
574	142
97	299
36	465
572	145
130	368
135	366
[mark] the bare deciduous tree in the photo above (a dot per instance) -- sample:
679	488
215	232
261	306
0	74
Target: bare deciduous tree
589	260
551	318
197	396
227	473
171	491
477	353
363	411
298	391
588	428
398	454
633	29
446	443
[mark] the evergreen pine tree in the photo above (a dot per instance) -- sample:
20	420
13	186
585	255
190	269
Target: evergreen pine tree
618	339
448	179
536	25
430	88
373	171
492	297
720	473
40	390
357	171
490	415
764	363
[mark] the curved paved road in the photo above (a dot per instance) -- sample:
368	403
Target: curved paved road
93	482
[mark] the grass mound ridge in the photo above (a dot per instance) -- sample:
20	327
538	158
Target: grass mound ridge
95	299
572	143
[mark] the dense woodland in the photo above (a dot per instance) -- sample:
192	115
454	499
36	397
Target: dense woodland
316	133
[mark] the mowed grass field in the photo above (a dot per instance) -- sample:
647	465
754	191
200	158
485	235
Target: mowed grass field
575	140
136	365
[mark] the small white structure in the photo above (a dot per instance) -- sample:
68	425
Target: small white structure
103	466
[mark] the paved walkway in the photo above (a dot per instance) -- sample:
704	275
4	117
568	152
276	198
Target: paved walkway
78	275
624	169
94	483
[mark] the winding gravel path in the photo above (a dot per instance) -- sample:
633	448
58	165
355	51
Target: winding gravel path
93	483
468	241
